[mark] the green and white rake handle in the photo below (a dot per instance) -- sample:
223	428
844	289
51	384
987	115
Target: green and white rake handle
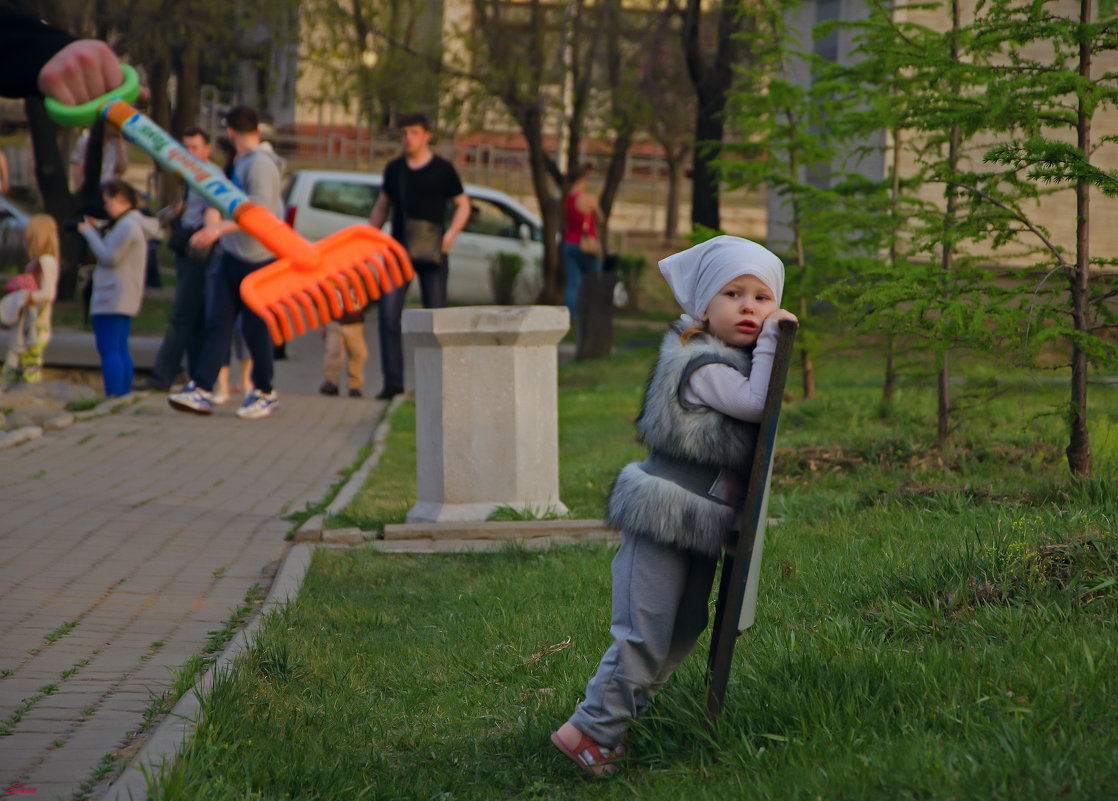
204	177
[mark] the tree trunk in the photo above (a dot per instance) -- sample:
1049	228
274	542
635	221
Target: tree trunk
709	129
159	76
801	265
188	88
890	387
809	373
943	407
615	174
805	358
531	125
712	78
671	207
1079	445
943	403
52	178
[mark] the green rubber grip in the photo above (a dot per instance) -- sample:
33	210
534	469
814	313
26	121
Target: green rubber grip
86	113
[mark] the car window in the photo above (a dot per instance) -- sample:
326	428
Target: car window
343	197
492	219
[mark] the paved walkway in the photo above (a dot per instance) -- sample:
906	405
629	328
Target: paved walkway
125	540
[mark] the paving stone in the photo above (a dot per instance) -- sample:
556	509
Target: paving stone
57	709
61	774
39	722
135	548
32	740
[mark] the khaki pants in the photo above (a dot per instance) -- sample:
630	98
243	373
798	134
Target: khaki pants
345	342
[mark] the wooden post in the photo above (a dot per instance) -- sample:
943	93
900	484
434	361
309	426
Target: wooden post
741	563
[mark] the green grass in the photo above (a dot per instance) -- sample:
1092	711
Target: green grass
930	626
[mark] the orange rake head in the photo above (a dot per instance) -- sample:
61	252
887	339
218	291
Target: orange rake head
344	273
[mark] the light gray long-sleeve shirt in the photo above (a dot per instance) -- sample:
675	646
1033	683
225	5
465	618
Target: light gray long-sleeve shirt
721	387
118	278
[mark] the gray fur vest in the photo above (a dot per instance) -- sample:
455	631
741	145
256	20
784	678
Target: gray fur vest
688	492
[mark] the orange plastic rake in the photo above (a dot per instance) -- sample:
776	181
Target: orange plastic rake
354	266
309	282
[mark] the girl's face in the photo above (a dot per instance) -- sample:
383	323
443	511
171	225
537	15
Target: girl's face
115	205
737	311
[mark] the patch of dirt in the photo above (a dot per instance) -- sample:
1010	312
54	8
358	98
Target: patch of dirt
815	459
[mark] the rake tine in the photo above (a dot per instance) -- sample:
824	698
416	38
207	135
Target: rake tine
273	328
280	312
343	292
394	268
330	289
402	269
291	315
306	300
358	286
377	265
316	294
293	306
369	280
356	298
347	281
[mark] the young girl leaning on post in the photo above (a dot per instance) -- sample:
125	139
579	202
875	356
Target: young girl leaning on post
676	508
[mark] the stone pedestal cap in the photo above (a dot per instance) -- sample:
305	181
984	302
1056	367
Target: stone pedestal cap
487	325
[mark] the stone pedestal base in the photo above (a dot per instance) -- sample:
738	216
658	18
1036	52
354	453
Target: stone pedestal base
487	424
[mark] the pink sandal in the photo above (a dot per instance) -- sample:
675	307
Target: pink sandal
594	759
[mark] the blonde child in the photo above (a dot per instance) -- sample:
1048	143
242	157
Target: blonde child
26	363
676	508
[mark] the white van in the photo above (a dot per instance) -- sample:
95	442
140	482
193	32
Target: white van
320	202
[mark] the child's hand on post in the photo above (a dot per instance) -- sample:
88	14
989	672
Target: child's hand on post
782	314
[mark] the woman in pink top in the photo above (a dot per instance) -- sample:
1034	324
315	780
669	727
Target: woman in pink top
583	215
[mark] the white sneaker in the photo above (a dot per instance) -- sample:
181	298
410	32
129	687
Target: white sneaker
257	404
191	399
218	398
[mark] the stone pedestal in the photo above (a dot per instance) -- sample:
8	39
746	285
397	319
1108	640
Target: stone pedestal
487	422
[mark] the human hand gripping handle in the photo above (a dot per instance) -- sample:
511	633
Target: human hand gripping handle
304	282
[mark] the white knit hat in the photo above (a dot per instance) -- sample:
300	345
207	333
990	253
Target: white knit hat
697	274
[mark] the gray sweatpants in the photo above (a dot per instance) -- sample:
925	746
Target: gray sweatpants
660	600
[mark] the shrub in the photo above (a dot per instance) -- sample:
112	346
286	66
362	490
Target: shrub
503	274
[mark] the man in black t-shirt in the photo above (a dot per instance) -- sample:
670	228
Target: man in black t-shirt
418	186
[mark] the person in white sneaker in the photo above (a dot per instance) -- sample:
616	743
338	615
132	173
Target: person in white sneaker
256	172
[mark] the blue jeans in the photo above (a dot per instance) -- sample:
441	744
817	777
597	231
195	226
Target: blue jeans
432	290
575	263
225	305
187	323
110	331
